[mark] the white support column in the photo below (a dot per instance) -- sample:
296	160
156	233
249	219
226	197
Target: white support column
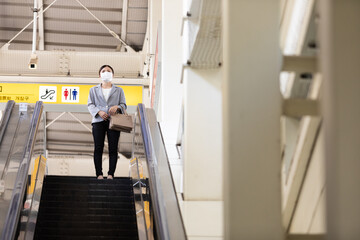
41	27
155	13
339	59
203	135
124	19
251	109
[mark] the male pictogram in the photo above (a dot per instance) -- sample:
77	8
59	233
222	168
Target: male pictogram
74	93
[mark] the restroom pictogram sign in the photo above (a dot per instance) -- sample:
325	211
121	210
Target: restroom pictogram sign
70	94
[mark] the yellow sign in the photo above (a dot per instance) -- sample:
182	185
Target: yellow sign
59	93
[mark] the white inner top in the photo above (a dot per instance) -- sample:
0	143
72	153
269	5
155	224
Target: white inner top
106	93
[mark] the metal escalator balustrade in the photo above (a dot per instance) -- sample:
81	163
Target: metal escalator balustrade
149	151
16	151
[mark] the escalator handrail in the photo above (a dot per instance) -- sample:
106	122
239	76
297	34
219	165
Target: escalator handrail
5	121
12	217
159	205
159	216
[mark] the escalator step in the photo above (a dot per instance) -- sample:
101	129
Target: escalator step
127	225
51	179
86	232
83	196
91	211
87	217
69	237
70	204
89	186
62	191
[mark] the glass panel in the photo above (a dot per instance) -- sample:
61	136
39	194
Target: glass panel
15	151
36	177
139	175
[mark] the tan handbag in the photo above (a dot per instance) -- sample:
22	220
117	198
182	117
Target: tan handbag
121	122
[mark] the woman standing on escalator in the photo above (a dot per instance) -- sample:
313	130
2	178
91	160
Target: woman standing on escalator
104	100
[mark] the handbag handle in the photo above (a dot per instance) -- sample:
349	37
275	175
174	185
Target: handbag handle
123	110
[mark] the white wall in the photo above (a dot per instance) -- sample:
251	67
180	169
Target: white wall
203	135
171	90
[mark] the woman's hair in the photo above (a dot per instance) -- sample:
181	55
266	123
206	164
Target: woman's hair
104	66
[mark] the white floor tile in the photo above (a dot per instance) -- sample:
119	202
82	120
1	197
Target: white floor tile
203	218
205	238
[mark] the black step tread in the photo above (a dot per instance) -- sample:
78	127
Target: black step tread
69	237
69	198
84	211
82	195
87	186
70	204
106	192
88	210
90	224
86	232
77	179
87	217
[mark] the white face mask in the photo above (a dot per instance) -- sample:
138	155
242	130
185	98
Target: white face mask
106	76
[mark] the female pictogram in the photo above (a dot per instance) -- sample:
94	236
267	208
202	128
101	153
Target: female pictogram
66	94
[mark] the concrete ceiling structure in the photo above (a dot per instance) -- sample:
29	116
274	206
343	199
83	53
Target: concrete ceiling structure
71	45
74	38
66	25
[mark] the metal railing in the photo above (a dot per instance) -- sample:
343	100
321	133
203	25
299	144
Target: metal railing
166	221
16	202
5	121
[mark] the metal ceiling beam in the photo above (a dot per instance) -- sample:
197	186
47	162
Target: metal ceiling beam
75	64
115	35
301	107
299	64
306	237
71	80
124	19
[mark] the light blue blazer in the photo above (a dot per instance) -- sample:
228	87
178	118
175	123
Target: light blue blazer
96	101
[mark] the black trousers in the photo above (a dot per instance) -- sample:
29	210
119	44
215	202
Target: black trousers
99	130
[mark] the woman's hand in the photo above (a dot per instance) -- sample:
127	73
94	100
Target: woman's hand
113	110
103	115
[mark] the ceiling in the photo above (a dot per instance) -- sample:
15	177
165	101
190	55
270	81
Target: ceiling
68	26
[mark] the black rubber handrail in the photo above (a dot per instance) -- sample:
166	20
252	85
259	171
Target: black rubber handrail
5	120
16	203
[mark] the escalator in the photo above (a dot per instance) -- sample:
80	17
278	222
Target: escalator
63	207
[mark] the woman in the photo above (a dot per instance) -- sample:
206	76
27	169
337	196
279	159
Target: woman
105	100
